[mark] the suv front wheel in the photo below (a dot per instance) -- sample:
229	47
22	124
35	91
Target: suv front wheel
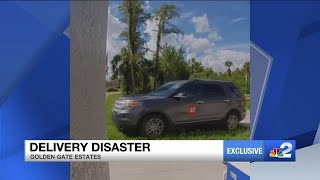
231	122
153	125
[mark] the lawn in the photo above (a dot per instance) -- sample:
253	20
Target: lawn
181	134
248	104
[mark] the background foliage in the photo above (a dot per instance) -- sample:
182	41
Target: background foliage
140	75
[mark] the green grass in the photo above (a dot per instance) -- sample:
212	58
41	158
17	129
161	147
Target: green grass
181	134
248	104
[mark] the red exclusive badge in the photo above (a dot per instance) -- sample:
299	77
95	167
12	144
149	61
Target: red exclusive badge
191	109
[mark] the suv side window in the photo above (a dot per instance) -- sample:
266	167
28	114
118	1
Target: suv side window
189	89
212	90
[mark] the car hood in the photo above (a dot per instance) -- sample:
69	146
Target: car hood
140	97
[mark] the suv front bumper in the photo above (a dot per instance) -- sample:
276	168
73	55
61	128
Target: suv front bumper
126	119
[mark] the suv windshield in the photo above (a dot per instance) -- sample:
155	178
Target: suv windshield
167	89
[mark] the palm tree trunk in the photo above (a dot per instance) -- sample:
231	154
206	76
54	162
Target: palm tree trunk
156	71
132	77
130	42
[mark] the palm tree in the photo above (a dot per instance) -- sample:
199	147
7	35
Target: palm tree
228	64
195	66
120	66
246	68
163	16
134	16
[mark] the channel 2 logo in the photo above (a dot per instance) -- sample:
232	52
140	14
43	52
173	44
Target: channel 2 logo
281	150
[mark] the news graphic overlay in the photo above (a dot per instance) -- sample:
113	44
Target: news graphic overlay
159	150
258	150
117	150
281	150
244	151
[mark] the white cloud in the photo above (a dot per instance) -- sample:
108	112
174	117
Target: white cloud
238	19
196	44
210	56
191	55
201	23
202	49
151	29
216	59
238	47
172	39
146	5
214	36
186	15
114	45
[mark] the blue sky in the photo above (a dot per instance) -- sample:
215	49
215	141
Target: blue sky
230	19
214	31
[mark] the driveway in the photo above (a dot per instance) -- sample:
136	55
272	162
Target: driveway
246	120
166	170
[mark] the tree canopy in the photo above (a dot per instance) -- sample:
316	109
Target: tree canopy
138	74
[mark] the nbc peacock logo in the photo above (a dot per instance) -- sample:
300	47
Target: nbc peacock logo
284	151
276	152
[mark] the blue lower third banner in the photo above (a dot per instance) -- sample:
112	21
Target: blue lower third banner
159	150
259	150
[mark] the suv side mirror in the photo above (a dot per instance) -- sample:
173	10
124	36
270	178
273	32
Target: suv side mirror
180	96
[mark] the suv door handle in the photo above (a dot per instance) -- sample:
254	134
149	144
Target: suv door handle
199	102
226	100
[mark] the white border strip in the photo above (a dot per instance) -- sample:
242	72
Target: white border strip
265	81
317	137
67	32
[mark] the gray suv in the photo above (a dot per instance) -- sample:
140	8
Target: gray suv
178	103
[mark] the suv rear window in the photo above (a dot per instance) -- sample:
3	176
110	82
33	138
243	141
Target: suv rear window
212	90
235	90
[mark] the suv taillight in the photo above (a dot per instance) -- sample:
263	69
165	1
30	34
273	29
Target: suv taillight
244	101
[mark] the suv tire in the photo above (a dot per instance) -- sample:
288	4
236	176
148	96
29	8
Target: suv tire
153	125
231	121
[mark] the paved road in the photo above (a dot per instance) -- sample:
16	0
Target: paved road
166	170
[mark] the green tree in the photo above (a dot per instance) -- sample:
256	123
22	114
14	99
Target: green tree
246	69
172	64
145	69
121	66
228	64
134	16
195	66
164	15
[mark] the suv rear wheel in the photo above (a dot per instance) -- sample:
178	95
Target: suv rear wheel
231	122
153	125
